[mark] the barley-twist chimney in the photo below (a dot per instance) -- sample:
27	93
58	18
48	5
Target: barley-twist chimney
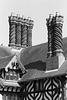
20	31
55	55
57	42
50	30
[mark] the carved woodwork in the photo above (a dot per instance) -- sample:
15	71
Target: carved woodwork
44	89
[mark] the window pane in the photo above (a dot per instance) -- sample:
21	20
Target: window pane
7	76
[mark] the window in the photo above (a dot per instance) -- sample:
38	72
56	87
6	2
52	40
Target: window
11	75
7	76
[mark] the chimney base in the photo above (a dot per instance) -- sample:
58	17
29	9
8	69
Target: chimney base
55	62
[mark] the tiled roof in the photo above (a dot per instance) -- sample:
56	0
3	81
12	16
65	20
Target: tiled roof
33	74
5	60
5	51
34	57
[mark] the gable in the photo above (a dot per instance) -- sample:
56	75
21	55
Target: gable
15	62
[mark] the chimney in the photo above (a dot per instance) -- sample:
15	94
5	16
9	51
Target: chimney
50	30
24	32
29	33
55	56
20	31
12	30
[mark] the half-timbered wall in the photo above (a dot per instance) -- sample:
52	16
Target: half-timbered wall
9	93
44	89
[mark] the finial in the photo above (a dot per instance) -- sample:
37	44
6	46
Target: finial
50	16
12	14
57	14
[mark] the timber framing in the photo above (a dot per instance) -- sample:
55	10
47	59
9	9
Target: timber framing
44	89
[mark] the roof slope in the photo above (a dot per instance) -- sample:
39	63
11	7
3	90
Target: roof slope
34	57
5	51
36	74
5	60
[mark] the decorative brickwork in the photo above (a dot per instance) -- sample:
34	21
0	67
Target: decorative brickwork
20	31
54	25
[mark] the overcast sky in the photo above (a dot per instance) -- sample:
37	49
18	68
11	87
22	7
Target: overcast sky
38	10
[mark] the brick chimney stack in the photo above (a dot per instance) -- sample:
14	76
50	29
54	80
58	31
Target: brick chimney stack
50	30
20	31
55	55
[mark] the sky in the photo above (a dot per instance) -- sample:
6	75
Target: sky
38	10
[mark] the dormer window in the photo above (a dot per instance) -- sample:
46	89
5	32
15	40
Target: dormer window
12	72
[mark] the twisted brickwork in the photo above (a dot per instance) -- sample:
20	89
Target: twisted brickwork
20	31
57	33
18	35
12	30
50	31
24	35
54	26
29	35
27	27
